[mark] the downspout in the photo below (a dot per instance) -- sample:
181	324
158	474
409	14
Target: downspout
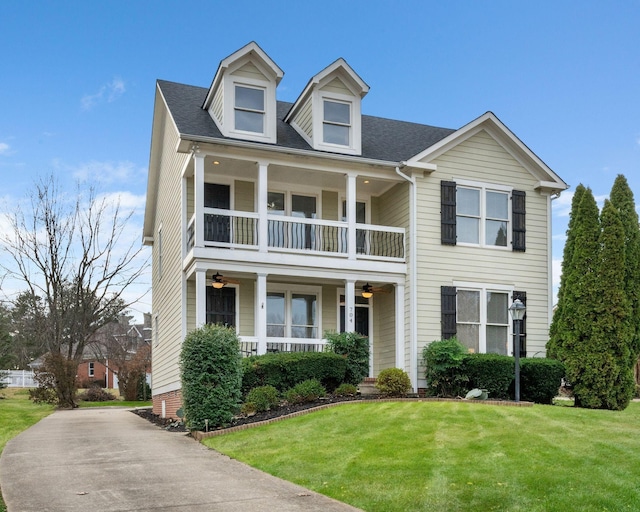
413	280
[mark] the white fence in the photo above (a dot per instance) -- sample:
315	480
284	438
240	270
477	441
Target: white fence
18	378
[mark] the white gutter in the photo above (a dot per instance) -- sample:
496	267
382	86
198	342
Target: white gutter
413	284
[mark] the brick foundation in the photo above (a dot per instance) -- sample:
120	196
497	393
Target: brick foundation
172	402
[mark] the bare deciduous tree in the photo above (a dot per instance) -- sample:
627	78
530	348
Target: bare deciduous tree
71	254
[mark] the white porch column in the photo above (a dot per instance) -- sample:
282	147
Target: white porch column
351	217
400	321
198	196
201	297
261	313
263	209
183	213
349	306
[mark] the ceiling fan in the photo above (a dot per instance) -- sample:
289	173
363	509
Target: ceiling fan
368	290
218	281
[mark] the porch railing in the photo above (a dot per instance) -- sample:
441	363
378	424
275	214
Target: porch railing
229	228
250	347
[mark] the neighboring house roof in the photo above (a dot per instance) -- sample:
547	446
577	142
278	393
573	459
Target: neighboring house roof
382	139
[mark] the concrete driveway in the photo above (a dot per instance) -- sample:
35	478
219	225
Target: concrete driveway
112	460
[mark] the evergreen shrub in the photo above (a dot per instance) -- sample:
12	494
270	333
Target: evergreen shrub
393	382
263	398
540	379
211	376
492	372
443	367
285	370
355	348
346	389
305	391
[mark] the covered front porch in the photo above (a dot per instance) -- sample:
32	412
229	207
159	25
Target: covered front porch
285	312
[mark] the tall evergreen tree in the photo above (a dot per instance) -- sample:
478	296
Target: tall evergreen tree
574	315
601	365
559	325
622	199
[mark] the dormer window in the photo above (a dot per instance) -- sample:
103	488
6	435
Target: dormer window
337	123
249	109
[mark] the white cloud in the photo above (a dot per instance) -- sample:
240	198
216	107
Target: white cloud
109	92
4	148
108	172
562	205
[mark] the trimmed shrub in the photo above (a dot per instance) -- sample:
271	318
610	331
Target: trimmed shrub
355	348
346	389
443	361
306	391
96	394
211	376
393	382
284	370
492	372
262	398
540	379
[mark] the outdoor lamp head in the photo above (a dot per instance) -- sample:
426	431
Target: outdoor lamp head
517	310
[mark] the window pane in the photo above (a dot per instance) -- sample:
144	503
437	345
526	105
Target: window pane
275	314
496	233
467	230
275	202
497	308
497	205
468	306
303	316
336	134
468	201
337	112
249	121
303	206
249	98
497	340
469	336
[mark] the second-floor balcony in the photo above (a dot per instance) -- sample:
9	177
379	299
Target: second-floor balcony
240	229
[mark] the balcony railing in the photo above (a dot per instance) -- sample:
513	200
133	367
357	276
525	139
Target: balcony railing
229	228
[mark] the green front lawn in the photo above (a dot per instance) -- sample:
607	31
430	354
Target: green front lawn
443	456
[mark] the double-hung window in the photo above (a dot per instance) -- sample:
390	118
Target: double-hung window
292	314
336	123
483	320
249	109
482	216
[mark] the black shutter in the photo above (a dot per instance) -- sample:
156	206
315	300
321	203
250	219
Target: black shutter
448	311
523	327
518	211
448	212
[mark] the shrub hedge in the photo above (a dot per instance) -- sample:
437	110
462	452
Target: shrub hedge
284	370
306	391
492	372
443	361
540	379
355	349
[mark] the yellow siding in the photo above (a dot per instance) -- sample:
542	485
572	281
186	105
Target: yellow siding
482	159
336	86
167	290
330	205
384	325
246	296
218	102
243	196
304	119
249	70
329	309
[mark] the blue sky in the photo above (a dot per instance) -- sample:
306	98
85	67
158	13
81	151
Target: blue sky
77	79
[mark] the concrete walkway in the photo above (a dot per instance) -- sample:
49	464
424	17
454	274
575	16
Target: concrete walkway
112	460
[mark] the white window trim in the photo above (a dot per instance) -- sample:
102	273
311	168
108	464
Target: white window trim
229	107
484	188
483	289
355	129
160	252
288	291
91	369
263	112
288	199
237	302
349	125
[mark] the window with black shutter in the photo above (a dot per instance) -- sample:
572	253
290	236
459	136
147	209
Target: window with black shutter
518	212
448	212
448	311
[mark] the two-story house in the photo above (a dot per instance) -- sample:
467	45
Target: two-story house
286	220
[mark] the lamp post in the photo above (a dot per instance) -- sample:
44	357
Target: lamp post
517	310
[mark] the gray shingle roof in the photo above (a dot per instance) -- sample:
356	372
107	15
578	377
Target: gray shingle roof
382	139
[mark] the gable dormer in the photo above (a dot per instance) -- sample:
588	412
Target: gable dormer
242	97
328	114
